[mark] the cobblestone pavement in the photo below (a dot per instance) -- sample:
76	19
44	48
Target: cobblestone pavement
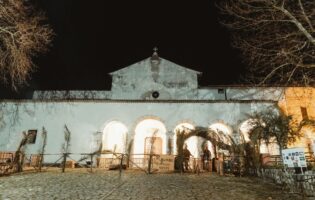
79	184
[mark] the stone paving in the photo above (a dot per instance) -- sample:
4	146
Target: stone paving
136	185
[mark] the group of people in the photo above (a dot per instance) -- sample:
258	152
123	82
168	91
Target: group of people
206	158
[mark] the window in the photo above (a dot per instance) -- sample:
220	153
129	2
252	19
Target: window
155	94
304	113
31	136
221	91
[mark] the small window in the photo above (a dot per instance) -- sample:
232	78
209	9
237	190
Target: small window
221	91
304	113
155	94
31	136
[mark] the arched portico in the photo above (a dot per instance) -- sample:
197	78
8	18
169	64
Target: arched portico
271	147
223	132
245	129
150	135
114	137
182	127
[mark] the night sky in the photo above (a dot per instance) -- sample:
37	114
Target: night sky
95	37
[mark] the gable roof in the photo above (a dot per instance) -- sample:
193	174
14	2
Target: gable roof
147	61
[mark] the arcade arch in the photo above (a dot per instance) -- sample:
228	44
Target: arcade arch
181	127
245	129
222	128
308	138
271	147
114	137
150	134
194	144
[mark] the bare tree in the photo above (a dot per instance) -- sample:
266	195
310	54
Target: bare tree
66	147
276	38
22	36
42	149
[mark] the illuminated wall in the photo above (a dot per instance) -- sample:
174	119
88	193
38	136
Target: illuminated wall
299	103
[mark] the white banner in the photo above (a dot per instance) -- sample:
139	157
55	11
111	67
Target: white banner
294	157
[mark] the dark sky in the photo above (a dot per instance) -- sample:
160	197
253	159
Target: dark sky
95	37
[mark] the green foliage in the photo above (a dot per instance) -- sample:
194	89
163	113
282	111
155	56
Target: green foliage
306	123
272	124
217	138
269	125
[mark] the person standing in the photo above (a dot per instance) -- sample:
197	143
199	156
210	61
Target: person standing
186	154
206	157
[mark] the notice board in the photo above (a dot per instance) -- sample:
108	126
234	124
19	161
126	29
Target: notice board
164	163
294	157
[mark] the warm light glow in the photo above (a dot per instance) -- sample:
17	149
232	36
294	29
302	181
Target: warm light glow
272	148
308	132
146	129
221	127
245	129
192	146
114	137
211	148
180	127
307	140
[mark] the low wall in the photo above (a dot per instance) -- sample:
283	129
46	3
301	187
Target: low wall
295	183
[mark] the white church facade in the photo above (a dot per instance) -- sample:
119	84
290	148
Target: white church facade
151	98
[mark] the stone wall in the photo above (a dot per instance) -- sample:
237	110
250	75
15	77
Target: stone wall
295	183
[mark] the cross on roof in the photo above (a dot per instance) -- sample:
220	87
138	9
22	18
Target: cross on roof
155	49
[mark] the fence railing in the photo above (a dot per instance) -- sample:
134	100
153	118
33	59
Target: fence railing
108	161
6	163
120	161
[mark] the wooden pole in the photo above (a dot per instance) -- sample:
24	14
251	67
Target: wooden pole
64	162
40	162
121	162
91	162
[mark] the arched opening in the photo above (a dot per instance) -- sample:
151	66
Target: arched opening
150	136
220	127
181	127
308	139
196	140
271	147
245	129
223	132
196	144
114	137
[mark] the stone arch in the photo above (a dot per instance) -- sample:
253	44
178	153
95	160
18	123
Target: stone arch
210	146
146	129
114	137
307	130
183	126
245	128
221	126
207	134
140	119
221	141
223	131
271	147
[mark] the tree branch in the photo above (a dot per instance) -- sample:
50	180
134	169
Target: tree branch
297	23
